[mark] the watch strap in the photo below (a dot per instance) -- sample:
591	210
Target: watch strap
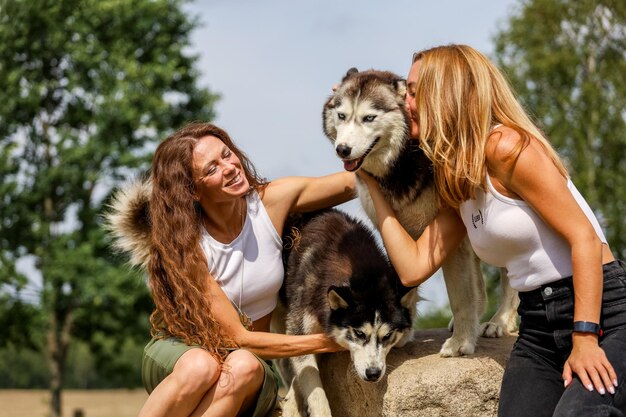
587	327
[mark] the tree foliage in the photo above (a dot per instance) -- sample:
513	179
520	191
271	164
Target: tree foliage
89	87
567	61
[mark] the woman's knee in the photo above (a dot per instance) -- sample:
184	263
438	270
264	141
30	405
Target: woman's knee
245	368
196	370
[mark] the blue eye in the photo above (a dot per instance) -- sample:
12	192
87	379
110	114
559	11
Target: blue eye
369	118
341	116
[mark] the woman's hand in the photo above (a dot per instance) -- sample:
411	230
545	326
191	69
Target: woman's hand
589	362
371	183
414	260
333	346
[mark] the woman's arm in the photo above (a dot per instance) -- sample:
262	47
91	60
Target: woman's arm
533	177
266	345
280	197
301	194
415	260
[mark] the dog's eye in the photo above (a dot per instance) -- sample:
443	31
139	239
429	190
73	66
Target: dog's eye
341	116
359	334
369	118
387	337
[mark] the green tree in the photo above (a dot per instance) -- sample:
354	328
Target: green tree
89	87
567	61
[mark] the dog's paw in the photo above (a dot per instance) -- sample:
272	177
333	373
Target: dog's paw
510	325
499	326
492	329
457	347
318	413
289	408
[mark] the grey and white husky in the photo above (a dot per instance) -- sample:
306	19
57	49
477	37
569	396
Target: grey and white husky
338	281
367	123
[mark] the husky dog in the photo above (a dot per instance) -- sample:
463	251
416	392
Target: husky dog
338	281
367	123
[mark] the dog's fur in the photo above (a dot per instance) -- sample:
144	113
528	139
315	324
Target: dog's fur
368	124
128	222
338	281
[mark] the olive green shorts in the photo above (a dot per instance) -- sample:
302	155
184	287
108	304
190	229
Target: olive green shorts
160	356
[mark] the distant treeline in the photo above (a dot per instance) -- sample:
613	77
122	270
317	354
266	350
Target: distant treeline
25	368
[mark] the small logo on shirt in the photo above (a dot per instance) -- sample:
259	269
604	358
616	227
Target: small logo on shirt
478	217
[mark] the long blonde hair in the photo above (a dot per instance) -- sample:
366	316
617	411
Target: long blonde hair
460	95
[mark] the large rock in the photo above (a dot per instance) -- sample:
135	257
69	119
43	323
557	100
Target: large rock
419	382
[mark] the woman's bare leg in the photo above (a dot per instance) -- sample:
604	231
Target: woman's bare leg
195	373
237	388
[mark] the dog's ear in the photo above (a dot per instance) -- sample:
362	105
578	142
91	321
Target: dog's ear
350	73
400	87
338	297
409	299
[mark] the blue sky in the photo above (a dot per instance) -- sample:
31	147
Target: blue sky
274	63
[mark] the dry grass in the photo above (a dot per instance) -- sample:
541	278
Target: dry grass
93	403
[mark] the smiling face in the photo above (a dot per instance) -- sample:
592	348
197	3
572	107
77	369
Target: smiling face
411	81
366	121
217	172
360	126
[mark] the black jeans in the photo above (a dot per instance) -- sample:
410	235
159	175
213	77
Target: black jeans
532	385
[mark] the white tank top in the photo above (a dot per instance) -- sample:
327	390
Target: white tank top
507	232
249	269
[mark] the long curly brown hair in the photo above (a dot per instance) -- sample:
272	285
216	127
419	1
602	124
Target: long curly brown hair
178	270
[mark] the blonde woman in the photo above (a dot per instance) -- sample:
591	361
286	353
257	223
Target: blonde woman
502	184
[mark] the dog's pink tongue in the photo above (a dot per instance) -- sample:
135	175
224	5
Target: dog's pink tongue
350	165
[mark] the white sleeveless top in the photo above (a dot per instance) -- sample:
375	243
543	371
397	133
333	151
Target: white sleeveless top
249	269
507	232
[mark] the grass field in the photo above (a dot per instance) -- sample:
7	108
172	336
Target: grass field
93	403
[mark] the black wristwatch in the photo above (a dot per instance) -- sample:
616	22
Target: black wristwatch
587	327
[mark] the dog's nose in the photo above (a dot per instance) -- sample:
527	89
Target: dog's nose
343	150
372	374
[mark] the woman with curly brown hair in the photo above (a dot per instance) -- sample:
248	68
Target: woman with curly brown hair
214	263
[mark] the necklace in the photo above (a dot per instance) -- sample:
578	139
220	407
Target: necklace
245	320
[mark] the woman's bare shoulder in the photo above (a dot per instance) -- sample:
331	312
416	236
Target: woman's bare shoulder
503	145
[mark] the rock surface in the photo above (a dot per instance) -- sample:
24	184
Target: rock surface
419	382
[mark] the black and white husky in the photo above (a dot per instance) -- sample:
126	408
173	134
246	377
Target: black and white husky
338	281
367	122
